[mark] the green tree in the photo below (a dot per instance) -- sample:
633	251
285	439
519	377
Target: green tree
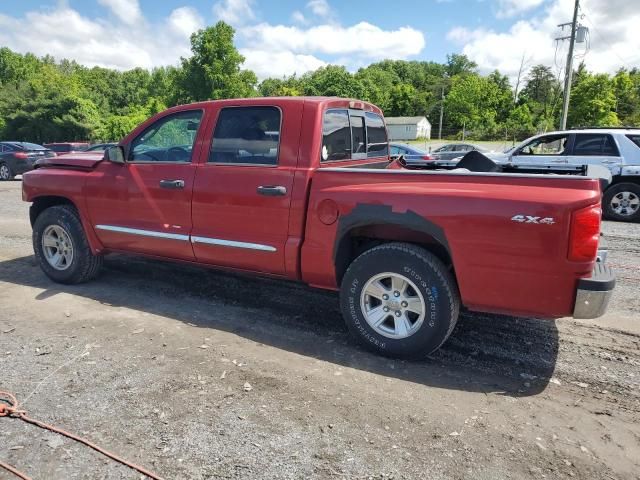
332	81
542	93
213	71
472	104
458	64
593	102
627	91
519	124
285	87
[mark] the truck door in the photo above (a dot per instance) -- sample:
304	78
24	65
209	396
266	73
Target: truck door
596	149
144	205
242	193
547	149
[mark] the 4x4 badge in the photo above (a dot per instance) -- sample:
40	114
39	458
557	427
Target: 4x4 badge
530	219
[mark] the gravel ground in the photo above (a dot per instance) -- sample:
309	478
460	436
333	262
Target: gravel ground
201	375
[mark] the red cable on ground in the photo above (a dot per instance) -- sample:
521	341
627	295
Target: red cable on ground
9	408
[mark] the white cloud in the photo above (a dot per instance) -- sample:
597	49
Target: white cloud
270	50
185	20
127	11
510	8
234	12
320	8
464	35
614	40
362	39
267	63
298	17
64	33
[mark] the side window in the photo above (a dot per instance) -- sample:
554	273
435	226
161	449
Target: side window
549	145
395	150
377	143
635	139
336	135
246	135
358	135
588	144
609	148
170	139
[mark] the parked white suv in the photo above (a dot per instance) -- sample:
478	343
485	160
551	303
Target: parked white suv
618	149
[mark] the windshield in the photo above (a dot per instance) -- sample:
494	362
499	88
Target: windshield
416	150
31	146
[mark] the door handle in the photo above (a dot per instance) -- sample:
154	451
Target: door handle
173	184
272	190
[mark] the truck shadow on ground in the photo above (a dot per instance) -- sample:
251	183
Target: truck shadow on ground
486	353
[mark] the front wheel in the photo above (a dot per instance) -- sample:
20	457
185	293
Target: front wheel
622	202
61	247
5	172
399	300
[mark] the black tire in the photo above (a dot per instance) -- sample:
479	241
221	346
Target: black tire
612	197
434	282
5	172
84	265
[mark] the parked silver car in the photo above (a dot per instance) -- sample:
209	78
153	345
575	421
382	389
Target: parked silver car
618	149
455	150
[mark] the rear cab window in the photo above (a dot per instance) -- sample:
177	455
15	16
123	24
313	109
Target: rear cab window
352	135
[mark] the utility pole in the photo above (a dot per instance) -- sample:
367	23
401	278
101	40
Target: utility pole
569	72
441	114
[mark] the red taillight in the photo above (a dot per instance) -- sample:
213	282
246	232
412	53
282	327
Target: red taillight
585	234
427	157
20	155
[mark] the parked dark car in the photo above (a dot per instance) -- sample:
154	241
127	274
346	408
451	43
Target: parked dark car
19	157
455	150
409	152
67	147
100	147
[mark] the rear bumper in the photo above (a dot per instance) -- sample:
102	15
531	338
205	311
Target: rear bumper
594	292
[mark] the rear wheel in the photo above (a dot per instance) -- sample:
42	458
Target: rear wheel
622	202
5	172
399	300
61	247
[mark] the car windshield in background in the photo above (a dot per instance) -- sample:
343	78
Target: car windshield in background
417	151
31	146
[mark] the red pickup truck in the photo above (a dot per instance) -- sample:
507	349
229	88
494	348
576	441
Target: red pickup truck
304	189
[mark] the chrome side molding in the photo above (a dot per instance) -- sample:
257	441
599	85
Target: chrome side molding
185	238
143	233
233	244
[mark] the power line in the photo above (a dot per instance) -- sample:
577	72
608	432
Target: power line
603	39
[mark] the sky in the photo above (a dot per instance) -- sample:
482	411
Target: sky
284	37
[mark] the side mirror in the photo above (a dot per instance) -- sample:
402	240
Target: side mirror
114	154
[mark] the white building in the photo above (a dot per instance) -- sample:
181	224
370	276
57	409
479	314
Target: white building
408	128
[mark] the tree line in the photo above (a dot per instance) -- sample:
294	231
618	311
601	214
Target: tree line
44	100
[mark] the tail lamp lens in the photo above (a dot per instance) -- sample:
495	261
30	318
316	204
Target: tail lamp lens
585	234
20	155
